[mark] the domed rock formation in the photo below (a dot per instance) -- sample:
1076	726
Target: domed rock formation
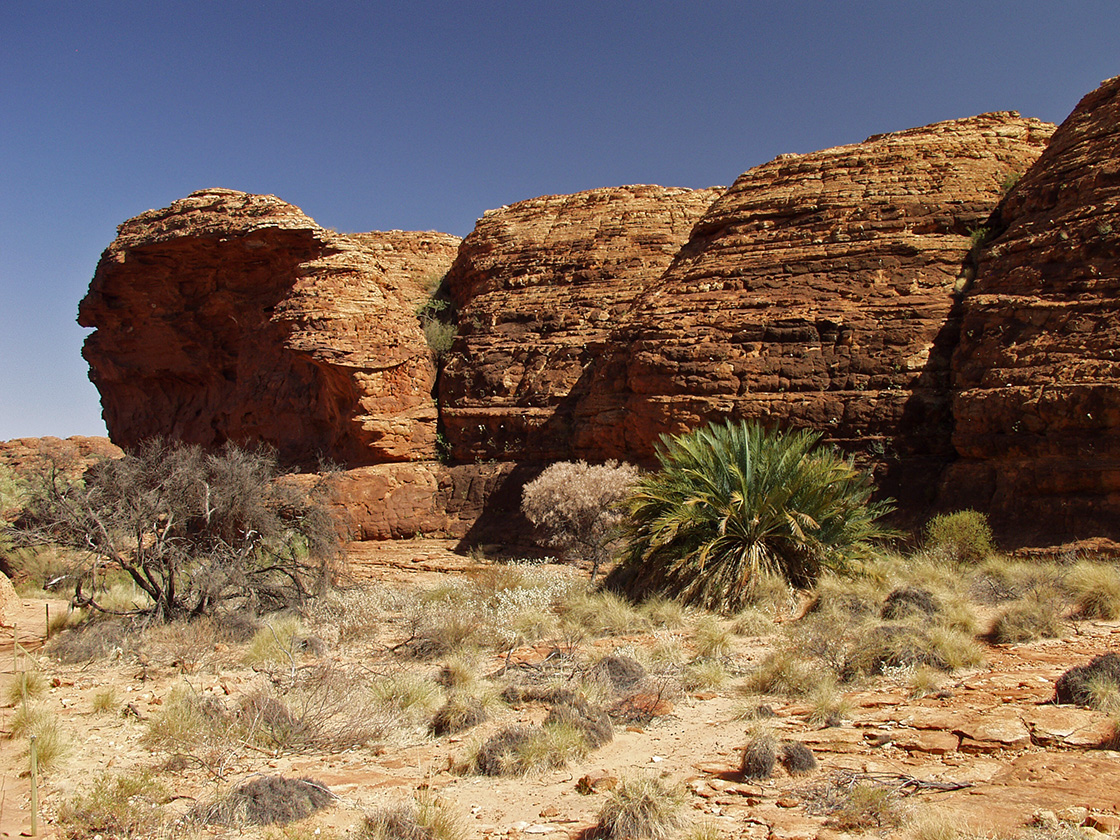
538	287
817	292
230	316
1036	376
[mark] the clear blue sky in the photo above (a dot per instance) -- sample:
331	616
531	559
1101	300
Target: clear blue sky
421	115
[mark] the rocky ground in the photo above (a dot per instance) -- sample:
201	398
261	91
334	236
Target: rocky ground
986	751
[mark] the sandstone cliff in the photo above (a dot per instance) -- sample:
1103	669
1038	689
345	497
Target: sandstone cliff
1036	375
28	457
538	286
817	292
230	316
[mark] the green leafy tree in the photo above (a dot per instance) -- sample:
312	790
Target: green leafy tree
734	502
192	529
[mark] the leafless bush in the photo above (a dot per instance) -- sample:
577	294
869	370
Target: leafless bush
574	505
192	530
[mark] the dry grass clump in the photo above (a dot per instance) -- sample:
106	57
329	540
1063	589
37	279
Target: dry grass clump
1037	615
428	817
1079	684
93	640
441	629
828	705
1096	590
593	722
752	622
105	701
24	686
192	724
411	696
797	758
784	673
281	640
902	645
760	756
854	804
602	613
620	673
664	613
711	639
34	721
343	616
515	751
118	805
704	675
460	712
267	800
907	601
999	579
643	807
925	681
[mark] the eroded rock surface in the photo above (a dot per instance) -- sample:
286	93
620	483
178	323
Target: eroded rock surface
230	316
28	457
538	286
817	292
1036	375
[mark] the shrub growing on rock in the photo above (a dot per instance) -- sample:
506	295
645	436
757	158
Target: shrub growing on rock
736	502
575	507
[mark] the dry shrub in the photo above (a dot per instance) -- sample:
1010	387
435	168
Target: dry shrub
267	800
643	807
752	622
459	713
829	707
38	722
447	629
1096	589
119	805
907	601
621	673
515	751
1078	684
845	599
24	686
797	758
1037	615
105	701
94	640
664	613
890	646
343	616
704	675
711	639
784	673
602	614
855	804
428	817
411	696
593	722
193	725
760	756
281	640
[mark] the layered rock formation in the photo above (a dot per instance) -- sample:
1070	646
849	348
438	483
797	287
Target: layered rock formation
538	286
1037	373
817	292
29	457
230	316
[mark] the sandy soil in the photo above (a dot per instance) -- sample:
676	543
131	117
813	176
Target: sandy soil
988	751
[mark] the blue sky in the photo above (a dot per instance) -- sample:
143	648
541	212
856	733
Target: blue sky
421	115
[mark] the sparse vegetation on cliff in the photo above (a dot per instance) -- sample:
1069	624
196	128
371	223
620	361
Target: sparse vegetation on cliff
735	503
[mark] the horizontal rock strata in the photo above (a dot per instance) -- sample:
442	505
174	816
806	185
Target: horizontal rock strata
1037	372
817	292
538	286
230	316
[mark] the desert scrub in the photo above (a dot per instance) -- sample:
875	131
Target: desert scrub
785	674
732	503
280	641
116	804
704	675
194	726
899	645
515	751
411	696
266	800
664	613
711	639
1082	683
827	704
1037	615
341	617
963	536
643	807
35	721
601	614
752	622
105	701
427	817
444	628
1096	590
24	686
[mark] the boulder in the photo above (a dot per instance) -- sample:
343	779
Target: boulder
1036	376
231	316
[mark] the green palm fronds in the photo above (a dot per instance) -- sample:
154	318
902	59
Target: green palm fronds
734	502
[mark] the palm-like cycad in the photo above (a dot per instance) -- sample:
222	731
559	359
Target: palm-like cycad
735	501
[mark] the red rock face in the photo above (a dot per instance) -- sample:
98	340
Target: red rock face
817	292
29	457
1037	374
538	286
230	316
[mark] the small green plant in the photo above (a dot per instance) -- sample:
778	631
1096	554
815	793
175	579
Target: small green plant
963	536
1008	182
435	320
735	502
643	807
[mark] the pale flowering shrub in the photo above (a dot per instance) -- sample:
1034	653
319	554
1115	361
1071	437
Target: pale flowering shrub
575	507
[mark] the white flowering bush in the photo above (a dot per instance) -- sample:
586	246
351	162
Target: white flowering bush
575	507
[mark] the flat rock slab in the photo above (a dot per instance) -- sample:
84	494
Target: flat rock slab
933	741
995	730
1069	726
